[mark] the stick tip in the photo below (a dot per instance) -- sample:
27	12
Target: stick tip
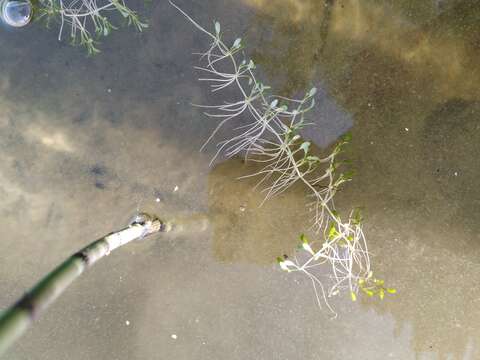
151	223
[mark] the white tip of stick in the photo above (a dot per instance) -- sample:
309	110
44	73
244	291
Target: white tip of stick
150	223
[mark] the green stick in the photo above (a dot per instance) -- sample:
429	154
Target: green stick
15	320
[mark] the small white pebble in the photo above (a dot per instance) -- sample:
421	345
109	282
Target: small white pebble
455	173
109	90
127	322
175	189
242	208
174	336
406	129
371	142
157	200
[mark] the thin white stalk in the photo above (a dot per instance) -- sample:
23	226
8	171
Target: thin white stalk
271	138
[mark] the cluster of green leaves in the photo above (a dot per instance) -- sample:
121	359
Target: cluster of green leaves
336	164
335	237
86	19
374	287
291	135
47	11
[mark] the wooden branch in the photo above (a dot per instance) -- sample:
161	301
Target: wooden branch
15	320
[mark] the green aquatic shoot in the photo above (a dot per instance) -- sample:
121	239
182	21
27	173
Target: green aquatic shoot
86	21
272	139
345	255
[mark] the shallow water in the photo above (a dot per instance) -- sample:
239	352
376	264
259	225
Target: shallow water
84	142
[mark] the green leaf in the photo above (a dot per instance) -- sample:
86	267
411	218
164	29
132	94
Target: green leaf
305	146
332	232
217	27
348	175
347	137
303	239
274	103
307	247
357	216
392	291
312	92
353	296
237	42
313	158
381	294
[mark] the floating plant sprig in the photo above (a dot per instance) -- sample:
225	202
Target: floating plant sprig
344	252
87	20
272	138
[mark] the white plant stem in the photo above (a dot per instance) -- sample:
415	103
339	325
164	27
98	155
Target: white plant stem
271	138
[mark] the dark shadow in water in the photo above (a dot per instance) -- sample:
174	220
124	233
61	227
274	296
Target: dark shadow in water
244	231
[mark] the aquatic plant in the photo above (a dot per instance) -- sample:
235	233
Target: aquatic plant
272	139
86	21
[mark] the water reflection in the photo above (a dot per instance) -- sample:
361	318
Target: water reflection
306	37
411	79
77	159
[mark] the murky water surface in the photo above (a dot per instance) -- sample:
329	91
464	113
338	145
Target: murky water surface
84	142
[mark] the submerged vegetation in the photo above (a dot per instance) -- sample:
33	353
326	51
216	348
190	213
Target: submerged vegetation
272	138
86	21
